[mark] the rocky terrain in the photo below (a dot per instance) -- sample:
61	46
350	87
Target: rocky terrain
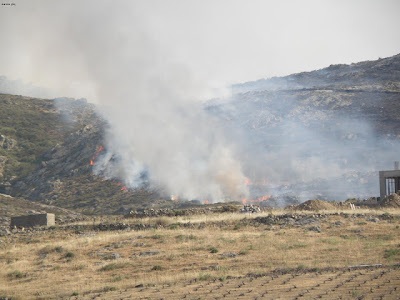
382	74
322	134
48	159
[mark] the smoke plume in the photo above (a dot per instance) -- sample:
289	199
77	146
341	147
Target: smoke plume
150	76
159	135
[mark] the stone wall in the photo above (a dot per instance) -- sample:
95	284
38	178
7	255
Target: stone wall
33	220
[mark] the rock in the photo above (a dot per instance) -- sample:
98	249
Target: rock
229	254
375	220
7	143
249	208
290	221
306	221
338	223
315	228
148	253
114	256
4	231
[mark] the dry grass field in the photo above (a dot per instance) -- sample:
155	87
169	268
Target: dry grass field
281	254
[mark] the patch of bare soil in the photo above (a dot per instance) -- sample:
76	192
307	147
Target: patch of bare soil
314	205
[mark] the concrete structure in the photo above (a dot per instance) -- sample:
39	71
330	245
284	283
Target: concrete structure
34	220
389	181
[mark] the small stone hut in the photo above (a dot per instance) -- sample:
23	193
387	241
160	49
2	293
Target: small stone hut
389	181
33	220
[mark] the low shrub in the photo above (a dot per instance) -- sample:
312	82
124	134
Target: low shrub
16	274
204	277
109	288
391	254
69	255
213	249
113	266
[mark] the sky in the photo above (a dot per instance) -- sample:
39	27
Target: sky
219	42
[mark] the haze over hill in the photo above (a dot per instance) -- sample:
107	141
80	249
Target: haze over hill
327	138
382	74
323	133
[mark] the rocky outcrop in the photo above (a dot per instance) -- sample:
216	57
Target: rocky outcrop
7	143
3	160
250	209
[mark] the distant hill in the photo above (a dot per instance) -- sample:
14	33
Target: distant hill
381	74
326	132
18	87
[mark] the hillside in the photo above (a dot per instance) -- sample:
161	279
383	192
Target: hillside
321	134
47	152
381	74
324	133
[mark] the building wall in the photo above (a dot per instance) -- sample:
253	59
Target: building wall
383	175
33	220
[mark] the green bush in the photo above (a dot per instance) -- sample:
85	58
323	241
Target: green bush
109	288
391	254
16	274
69	255
213	249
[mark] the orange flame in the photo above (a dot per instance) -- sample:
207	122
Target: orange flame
124	189
247	181
207	202
101	148
92	163
244	201
118	183
263	198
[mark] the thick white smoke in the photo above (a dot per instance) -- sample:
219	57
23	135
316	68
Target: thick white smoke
158	131
148	65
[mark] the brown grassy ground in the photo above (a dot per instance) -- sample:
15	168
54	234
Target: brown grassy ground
218	256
